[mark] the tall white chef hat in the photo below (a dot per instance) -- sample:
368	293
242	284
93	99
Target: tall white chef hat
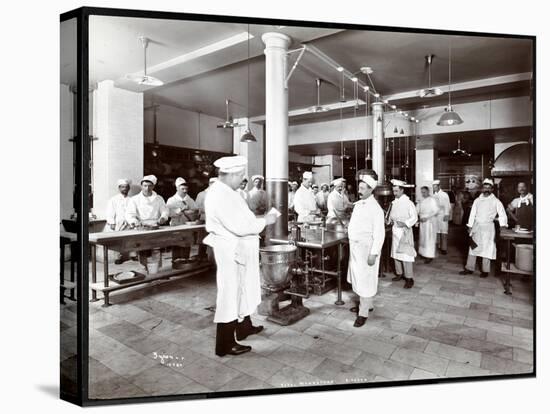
307	174
369	180
212	180
151	178
337	181
398	183
123	181
489	181
232	164
254	177
180	181
436	182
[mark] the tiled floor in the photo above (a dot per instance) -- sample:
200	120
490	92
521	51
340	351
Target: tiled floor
160	340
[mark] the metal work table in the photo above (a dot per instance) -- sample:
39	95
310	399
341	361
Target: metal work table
330	239
139	240
509	235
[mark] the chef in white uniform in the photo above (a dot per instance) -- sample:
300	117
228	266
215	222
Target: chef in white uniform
242	190
403	217
201	196
146	208
116	212
181	207
257	197
443	216
337	203
304	200
233	233
366	233
428	209
322	196
482	231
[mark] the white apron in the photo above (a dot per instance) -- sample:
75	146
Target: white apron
444	210
363	278
428	208
237	276
402	244
484	236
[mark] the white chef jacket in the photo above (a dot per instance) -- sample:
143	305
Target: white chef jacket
304	203
516	202
444	210
366	233
176	205
483	213
234	235
291	199
146	210
116	212
337	204
321	199
257	201
243	193
428	208
403	209
199	202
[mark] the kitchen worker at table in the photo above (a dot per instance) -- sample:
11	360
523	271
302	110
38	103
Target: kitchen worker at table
321	197
337	203
304	200
443	216
242	190
233	233
428	209
146	208
482	230
201	196
521	209
257	197
403	217
181	209
366	233
116	212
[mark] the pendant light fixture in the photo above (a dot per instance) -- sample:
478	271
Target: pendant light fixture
228	123
248	136
145	79
318	108
449	117
429	91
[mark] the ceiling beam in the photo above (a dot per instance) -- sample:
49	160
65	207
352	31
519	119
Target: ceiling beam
461	86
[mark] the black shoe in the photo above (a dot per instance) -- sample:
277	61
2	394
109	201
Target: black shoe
465	272
484	274
444	252
238	350
397	278
427	261
355	309
225	338
409	283
245	328
359	321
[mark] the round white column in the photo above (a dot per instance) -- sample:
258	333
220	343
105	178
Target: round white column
276	128
378	142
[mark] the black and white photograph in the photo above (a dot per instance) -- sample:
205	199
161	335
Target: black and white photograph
255	206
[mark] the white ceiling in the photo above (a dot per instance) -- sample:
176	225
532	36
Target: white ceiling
203	83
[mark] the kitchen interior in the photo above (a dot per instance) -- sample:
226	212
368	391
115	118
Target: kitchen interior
167	98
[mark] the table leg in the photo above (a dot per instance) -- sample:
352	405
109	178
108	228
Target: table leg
62	271
94	271
73	248
105	276
339	300
507	278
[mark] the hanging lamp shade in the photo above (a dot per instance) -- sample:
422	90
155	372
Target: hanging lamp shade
248	136
449	118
